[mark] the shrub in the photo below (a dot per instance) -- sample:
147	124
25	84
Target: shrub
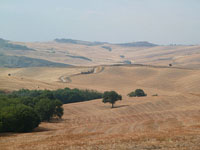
45	109
137	93
19	118
1	126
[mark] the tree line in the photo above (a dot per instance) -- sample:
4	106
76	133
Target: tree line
24	110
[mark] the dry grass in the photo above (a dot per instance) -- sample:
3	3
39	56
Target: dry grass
184	56
170	120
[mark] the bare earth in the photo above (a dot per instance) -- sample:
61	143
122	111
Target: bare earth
169	121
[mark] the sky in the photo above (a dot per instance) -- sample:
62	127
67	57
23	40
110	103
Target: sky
116	21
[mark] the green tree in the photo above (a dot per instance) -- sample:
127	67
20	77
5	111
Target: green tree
111	97
137	93
45	109
58	112
18	118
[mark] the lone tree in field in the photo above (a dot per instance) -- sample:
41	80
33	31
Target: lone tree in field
111	97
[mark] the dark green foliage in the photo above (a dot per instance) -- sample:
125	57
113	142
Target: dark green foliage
45	108
75	95
1	125
5	45
64	95
127	62
18	118
138	44
79	42
58	111
107	47
111	97
2	92
79	57
122	56
137	93
22	61
22	111
88	72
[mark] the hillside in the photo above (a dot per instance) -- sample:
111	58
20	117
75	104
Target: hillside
170	120
79	42
6	45
22	61
138	44
85	53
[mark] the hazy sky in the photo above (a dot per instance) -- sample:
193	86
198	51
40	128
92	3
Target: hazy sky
157	21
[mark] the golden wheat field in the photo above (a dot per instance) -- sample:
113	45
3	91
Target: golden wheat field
168	121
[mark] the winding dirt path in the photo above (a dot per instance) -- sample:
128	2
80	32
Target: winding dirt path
94	70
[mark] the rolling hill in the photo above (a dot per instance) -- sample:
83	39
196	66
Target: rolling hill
6	45
170	120
22	61
84	53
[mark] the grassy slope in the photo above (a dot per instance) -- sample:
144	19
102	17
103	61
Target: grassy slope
186	56
22	61
169	121
6	45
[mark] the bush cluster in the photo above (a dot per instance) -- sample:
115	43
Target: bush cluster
23	110
137	93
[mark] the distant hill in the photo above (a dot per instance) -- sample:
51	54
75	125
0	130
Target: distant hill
79	42
21	61
83	53
133	44
138	44
5	45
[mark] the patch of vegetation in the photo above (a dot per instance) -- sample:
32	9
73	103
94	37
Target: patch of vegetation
155	95
111	97
79	57
23	110
138	44
107	47
71	41
5	45
122	56
127	62
88	72
66	95
137	93
2	92
17	117
20	114
21	61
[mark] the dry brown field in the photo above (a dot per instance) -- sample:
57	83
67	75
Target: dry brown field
180	55
169	121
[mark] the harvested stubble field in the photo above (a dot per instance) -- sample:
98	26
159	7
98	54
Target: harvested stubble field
170	120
